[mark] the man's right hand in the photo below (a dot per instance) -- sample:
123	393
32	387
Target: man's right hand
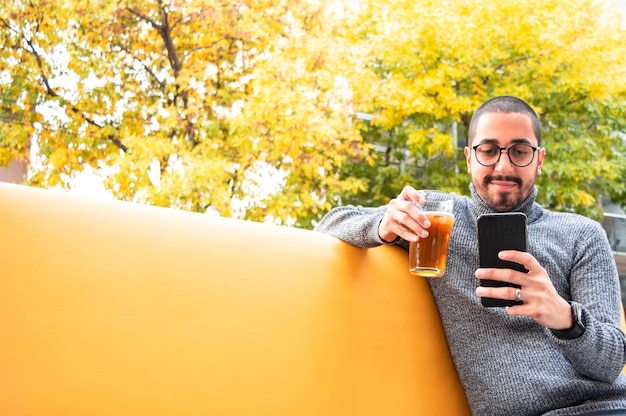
404	218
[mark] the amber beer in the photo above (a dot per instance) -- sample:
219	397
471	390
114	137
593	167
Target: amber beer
427	257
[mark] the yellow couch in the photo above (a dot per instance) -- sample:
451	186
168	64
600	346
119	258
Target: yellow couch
111	308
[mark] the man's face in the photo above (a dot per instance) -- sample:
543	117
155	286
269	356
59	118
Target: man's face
504	186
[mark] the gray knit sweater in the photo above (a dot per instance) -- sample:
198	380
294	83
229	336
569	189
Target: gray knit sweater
511	365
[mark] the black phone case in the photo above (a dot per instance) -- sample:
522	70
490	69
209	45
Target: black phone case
497	232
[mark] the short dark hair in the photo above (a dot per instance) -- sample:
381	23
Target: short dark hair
504	104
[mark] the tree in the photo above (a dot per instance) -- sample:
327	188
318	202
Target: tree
431	63
280	109
187	104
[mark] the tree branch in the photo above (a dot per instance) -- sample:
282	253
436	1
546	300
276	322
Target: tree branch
52	93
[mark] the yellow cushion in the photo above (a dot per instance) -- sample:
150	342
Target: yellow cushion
112	308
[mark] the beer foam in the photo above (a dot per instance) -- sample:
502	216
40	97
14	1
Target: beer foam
439	213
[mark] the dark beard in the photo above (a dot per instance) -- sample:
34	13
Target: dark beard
507	201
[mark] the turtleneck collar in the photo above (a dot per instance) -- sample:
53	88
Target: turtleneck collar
528	206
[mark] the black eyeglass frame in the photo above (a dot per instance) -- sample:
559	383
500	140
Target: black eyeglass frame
502	149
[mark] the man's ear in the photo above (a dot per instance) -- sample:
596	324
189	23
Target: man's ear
468	153
541	154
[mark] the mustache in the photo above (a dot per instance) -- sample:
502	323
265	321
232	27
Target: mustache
491	178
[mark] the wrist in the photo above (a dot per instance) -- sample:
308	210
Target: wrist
386	241
578	326
387	238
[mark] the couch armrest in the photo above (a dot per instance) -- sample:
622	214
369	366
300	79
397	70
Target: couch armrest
112	308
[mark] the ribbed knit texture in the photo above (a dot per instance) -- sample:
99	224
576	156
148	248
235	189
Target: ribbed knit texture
511	365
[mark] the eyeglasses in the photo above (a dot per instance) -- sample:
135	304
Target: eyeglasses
520	155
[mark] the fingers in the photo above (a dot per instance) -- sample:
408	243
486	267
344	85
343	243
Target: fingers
509	275
404	218
542	302
411	194
505	293
520	257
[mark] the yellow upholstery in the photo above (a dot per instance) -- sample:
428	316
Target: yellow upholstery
112	308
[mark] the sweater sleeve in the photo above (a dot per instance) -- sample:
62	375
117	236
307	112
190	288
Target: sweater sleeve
355	225
600	353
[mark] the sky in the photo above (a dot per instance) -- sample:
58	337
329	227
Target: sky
622	5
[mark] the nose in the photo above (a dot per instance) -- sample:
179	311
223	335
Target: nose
504	163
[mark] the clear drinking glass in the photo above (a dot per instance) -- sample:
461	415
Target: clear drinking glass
427	257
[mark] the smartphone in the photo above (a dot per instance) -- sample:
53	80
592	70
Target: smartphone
497	232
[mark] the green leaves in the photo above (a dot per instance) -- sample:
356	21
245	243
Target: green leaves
434	63
248	108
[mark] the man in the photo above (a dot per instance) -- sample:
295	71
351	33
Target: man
561	352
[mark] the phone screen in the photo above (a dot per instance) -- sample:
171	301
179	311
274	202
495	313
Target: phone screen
497	232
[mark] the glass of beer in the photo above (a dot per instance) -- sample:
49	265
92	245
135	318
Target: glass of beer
427	257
